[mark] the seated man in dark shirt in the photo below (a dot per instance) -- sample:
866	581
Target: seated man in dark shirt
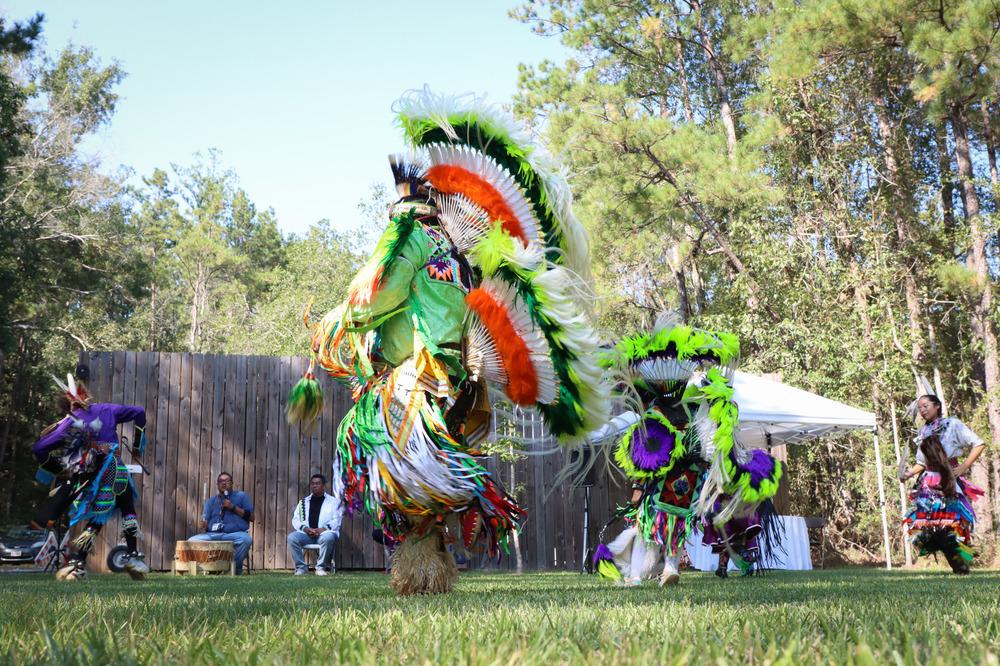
316	520
227	517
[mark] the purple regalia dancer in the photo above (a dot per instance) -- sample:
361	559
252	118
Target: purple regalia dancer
79	456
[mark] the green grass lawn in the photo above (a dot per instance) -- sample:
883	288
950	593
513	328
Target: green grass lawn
845	616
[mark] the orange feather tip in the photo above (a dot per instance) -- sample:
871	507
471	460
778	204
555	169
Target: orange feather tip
451	179
522	386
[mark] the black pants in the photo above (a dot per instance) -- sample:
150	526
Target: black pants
60	500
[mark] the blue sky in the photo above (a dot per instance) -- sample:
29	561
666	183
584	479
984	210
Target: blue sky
297	99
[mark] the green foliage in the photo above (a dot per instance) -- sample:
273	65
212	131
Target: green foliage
815	617
957	279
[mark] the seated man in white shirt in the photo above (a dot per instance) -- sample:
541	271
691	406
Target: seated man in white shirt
316	520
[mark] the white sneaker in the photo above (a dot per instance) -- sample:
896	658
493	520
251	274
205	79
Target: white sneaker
320	571
632	582
301	572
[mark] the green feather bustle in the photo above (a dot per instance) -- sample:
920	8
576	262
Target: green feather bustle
564	416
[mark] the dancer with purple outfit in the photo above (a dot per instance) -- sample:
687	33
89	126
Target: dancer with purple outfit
79	456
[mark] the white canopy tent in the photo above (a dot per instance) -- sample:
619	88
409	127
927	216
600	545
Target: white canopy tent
774	413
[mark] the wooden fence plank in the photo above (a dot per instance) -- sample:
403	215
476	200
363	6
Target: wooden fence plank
260	458
201	411
183	444
161	557
240	422
229	417
287	467
294	440
145	397
177	453
250	426
269	500
218	419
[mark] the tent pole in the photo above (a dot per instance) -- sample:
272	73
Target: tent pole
900	463
881	499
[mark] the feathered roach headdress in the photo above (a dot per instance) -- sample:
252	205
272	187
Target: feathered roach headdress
75	393
410	176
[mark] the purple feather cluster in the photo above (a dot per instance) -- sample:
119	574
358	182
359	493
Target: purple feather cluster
652	446
760	466
603	553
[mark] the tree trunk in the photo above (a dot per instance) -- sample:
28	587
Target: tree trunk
698	303
17	387
680	280
152	317
989	136
938	386
721	82
194	334
981	319
901	211
708	225
947	185
682	75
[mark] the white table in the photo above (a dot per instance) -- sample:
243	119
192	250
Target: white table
795	542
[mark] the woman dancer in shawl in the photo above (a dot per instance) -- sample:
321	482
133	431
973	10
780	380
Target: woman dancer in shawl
80	455
470	289
941	518
683	459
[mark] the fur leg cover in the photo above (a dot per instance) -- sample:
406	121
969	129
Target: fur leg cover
634	559
621	548
645	557
423	566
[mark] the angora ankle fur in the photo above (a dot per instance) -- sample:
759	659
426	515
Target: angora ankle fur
423	566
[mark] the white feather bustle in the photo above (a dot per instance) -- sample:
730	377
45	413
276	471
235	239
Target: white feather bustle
577	336
482	359
464	222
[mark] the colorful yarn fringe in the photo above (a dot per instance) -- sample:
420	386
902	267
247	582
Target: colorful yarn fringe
939	523
305	401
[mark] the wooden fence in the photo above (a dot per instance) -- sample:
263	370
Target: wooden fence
208	414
